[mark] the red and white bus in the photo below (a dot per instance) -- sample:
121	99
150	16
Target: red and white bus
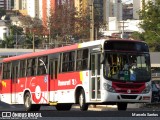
97	72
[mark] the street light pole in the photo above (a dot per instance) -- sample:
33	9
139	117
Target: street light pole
33	43
91	20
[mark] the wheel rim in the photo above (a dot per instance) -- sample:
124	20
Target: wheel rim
27	102
81	100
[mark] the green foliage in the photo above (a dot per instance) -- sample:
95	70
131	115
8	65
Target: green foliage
137	36
2	12
150	16
8	42
28	42
16	29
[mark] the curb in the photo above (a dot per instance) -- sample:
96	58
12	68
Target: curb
97	107
105	107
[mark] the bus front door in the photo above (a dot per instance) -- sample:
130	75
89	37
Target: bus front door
95	77
14	76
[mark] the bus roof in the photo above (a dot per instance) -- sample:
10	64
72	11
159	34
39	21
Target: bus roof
61	49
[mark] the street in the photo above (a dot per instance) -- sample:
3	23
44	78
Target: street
98	112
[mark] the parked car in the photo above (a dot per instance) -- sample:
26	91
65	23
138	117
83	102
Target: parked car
155	91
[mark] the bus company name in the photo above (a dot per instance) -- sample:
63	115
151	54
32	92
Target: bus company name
67	82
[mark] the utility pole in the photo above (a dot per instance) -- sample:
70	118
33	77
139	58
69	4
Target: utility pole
91	20
122	27
33	43
16	40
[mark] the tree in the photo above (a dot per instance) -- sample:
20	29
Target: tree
66	23
2	12
61	22
137	36
32	26
8	42
150	15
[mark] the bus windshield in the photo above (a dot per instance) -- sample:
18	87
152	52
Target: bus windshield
130	67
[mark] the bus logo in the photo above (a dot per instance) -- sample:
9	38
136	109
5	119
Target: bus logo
128	91
4	84
6	114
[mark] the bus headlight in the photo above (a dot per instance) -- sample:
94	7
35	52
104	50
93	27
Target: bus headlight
108	87
147	89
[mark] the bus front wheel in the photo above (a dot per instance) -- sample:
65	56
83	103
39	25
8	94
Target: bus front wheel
122	106
28	103
82	101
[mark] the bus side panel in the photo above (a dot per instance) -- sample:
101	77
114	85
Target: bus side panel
6	91
39	88
65	87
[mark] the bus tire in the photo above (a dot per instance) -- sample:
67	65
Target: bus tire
122	106
63	107
28	103
82	101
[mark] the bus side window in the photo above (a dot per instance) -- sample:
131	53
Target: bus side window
82	59
68	61
22	68
34	66
85	59
65	63
29	67
42	65
6	70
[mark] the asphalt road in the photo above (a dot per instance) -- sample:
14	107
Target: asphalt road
94	113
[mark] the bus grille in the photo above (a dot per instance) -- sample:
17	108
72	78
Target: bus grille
128	88
129	96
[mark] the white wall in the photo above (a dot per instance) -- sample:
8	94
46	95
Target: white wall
31	8
117	26
4	31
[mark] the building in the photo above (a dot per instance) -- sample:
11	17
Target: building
47	6
81	6
137	6
6	4
4	30
21	6
33	8
112	8
122	27
127	11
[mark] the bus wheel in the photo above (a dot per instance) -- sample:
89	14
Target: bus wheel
28	103
63	107
122	106
82	104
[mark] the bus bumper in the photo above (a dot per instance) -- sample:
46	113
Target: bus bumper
130	98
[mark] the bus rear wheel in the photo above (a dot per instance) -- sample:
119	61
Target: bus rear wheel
82	101
63	107
122	106
28	103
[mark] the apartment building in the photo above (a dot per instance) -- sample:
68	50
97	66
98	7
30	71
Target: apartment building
6	4
112	8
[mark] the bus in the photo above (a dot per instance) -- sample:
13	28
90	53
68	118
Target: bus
100	72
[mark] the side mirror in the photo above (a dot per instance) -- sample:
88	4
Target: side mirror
102	58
